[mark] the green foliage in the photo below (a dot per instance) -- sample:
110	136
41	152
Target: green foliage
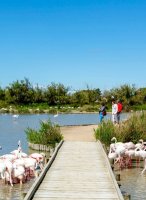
65	109
22	109
2	94
48	134
133	129
105	132
3	104
88	96
56	94
53	110
19	92
80	98
139	107
89	108
125	93
93	94
23	93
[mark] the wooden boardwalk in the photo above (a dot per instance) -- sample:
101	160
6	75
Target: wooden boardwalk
80	171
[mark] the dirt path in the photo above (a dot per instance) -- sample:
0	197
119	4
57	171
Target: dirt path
79	133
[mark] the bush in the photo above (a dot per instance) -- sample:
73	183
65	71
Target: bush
49	134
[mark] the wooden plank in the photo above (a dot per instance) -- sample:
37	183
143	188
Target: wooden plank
68	184
70	198
80	194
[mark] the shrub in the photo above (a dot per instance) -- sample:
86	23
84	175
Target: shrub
49	134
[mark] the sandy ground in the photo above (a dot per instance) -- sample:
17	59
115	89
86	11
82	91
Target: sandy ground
79	133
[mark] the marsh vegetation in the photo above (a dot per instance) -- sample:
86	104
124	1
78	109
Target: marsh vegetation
133	129
48	134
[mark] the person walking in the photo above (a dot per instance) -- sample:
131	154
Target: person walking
102	112
114	111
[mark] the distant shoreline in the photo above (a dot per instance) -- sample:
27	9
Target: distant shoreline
3	111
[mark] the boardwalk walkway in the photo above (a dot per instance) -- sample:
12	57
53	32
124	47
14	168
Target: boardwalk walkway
80	171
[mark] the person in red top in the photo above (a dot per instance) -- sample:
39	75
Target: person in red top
120	107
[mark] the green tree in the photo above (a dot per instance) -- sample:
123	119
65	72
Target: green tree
125	93
56	94
93	94
2	94
38	95
80	98
19	92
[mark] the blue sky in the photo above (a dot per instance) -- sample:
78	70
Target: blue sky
99	43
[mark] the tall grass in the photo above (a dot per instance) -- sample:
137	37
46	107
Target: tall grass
132	129
49	134
105	132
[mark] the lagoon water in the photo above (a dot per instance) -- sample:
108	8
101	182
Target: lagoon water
12	130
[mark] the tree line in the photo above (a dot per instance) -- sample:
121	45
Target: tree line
56	94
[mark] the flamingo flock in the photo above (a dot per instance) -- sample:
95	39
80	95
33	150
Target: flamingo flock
122	153
18	167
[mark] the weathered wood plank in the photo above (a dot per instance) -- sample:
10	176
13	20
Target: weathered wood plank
76	194
79	185
70	198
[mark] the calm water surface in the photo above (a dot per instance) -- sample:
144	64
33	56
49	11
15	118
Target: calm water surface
13	130
133	183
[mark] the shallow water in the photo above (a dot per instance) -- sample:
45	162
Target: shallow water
16	192
133	183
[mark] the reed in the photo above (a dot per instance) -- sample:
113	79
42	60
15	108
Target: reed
49	134
132	129
105	132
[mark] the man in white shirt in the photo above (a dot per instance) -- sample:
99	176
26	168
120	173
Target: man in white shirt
114	111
